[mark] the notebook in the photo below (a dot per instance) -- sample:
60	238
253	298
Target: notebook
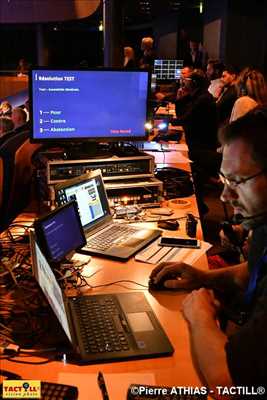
103	327
104	236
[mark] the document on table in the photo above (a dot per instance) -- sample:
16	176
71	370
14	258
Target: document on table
153	254
117	384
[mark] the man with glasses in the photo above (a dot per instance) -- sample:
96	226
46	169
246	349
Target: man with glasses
236	296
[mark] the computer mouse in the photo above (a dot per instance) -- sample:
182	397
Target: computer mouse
160	284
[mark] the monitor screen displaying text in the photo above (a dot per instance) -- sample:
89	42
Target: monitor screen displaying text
88	104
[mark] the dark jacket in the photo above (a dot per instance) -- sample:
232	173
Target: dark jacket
246	350
199	61
225	104
130	64
197	114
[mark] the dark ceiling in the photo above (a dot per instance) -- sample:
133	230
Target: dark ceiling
144	11
153	8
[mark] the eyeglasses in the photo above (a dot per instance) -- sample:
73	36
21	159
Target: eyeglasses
232	183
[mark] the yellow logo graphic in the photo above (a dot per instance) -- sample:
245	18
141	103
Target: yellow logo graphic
21	389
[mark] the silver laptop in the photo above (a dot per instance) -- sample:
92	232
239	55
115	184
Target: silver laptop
103	235
104	327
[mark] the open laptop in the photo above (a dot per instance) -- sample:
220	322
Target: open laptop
104	327
60	233
103	235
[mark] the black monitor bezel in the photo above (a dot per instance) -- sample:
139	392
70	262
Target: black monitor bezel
100	139
39	233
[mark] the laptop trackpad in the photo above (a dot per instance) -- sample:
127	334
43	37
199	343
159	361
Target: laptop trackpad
140	322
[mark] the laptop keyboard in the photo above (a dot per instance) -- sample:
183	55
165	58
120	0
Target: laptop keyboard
115	234
101	325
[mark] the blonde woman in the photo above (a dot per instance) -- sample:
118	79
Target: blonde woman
251	90
129	58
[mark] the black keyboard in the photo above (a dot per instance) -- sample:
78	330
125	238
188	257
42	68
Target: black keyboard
102	326
116	233
57	391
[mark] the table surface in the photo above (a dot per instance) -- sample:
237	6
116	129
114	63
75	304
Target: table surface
178	370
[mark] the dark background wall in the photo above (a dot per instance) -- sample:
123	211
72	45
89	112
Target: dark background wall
240	26
243	29
245	36
67	44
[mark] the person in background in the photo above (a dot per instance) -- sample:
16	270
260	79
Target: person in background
214	72
147	60
234	295
129	58
180	95
185	73
196	56
23	67
228	96
6	125
5	109
251	91
183	97
26	108
19	118
198	113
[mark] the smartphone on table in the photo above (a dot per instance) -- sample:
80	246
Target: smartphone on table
172	241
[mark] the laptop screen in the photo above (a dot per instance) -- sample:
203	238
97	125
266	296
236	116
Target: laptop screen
89	192
51	289
60	232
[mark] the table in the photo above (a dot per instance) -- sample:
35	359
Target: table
177	370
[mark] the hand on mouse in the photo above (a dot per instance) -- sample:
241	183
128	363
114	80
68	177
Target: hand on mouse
176	275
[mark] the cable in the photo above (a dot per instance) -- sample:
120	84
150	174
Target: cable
85	283
37	351
20	225
28	362
164	153
115	283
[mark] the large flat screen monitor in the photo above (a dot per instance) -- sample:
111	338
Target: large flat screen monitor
167	70
81	105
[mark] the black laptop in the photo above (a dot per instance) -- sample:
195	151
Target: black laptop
104	236
104	327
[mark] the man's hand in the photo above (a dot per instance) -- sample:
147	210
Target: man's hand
238	235
176	275
208	341
181	93
200	307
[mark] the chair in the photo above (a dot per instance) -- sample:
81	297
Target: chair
15	175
